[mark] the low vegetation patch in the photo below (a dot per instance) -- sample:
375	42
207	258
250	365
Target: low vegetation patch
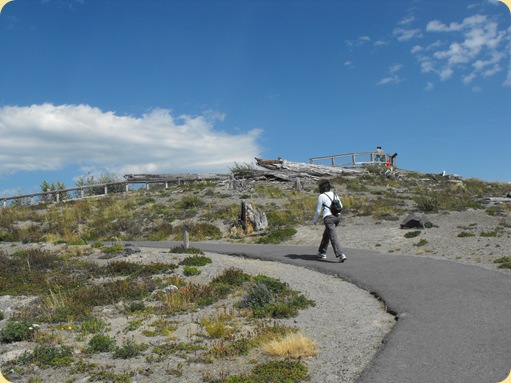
196	260
412	234
295	346
504	262
465	234
186	250
281	371
278	235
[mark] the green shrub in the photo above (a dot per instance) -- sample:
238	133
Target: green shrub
199	231
505	262
191	202
196	260
278	371
489	234
278	235
109	376
45	356
176	348
277	218
427	204
258	297
466	234
135	307
272	298
100	343
129	350
92	325
412	234
121	268
189	271
422	242
232	277
113	249
17	331
183	250
504	259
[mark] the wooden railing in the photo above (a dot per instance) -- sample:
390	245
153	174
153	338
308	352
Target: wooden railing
104	189
353	160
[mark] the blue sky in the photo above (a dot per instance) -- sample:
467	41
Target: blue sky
171	86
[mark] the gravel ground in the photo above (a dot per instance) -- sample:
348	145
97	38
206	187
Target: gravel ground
347	324
441	241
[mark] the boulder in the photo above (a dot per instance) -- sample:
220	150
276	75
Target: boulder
415	220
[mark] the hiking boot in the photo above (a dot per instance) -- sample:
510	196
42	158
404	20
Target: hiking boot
341	258
321	256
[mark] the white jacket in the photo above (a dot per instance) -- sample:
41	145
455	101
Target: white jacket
324	203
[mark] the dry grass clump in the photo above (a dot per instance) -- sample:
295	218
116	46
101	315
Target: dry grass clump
295	345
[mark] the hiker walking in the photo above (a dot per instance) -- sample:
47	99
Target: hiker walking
331	218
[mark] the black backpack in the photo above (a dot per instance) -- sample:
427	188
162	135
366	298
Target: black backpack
335	207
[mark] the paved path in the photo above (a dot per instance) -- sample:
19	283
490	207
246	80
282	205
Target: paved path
454	320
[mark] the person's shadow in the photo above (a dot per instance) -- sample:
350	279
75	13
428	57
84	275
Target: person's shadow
309	257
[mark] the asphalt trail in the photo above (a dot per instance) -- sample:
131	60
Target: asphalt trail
454	320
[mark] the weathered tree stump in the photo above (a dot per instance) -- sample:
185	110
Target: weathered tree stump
249	221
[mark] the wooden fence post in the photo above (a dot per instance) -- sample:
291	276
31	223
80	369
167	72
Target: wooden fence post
298	185
186	240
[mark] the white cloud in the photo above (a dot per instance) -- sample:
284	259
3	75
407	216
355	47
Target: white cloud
403	34
49	137
429	86
475	45
469	78
507	81
395	68
379	43
390	80
393	77
445	74
362	40
407	20
416	49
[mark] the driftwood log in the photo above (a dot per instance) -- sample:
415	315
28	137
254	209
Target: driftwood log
287	170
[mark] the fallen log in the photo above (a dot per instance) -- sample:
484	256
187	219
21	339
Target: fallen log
285	169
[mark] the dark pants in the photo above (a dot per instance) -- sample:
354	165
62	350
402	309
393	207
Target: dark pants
330	235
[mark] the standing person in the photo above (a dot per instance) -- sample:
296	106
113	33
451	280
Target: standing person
325	199
380	155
